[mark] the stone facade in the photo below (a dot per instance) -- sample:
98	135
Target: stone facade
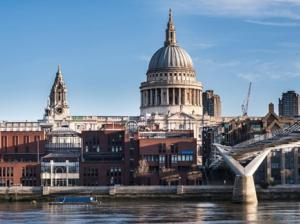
57	107
289	104
171	97
171	84
211	104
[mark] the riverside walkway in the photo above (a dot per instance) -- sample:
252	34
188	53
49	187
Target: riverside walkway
207	193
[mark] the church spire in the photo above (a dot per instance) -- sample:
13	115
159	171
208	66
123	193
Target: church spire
58	106
58	73
170	31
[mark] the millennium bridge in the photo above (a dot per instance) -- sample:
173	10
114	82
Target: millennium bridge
254	152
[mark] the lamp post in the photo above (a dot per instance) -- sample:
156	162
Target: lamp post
38	149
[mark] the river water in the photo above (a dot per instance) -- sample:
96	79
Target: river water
151	212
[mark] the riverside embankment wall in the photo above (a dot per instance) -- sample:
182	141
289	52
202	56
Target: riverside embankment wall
203	193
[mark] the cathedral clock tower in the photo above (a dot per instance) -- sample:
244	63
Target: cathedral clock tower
57	108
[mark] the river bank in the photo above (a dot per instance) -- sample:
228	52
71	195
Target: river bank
207	193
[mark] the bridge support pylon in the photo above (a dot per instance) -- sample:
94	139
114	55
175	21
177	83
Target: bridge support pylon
244	190
244	187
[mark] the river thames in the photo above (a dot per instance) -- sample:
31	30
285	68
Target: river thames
151	212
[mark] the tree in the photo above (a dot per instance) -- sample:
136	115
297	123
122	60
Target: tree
142	169
169	175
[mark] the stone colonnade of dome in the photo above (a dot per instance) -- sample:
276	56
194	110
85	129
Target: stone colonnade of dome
171	95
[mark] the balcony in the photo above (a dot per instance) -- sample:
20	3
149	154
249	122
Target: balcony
60	176
170	82
52	147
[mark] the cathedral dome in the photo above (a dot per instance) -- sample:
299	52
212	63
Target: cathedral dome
169	57
171	86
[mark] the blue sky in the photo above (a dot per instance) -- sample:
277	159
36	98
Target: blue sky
104	48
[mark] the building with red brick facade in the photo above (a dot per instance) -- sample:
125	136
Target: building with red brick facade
112	155
169	157
108	157
19	174
21	148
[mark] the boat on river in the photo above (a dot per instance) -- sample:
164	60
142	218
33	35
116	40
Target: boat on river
73	200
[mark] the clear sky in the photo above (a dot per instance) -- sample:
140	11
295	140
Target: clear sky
104	48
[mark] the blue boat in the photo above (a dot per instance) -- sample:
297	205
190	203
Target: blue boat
70	200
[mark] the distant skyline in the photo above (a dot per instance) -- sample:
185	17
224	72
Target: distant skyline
104	48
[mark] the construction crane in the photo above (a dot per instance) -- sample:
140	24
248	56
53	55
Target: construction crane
246	102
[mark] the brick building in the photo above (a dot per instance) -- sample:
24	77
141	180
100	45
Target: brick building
108	157
168	158
20	151
19	173
114	156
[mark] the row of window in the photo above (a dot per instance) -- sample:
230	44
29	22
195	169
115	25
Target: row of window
115	138
184	158
59	169
114	171
90	172
94	148
116	148
150	158
29	182
15	139
171	74
176	158
16	149
29	172
6	171
93	172
6	182
162	148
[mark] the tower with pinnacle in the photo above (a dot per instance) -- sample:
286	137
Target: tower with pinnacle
57	108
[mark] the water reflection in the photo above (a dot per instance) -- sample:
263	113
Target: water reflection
250	212
151	211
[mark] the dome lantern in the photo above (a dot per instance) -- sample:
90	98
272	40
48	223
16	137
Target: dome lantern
170	31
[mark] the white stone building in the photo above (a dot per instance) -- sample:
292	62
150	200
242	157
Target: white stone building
171	85
171	98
